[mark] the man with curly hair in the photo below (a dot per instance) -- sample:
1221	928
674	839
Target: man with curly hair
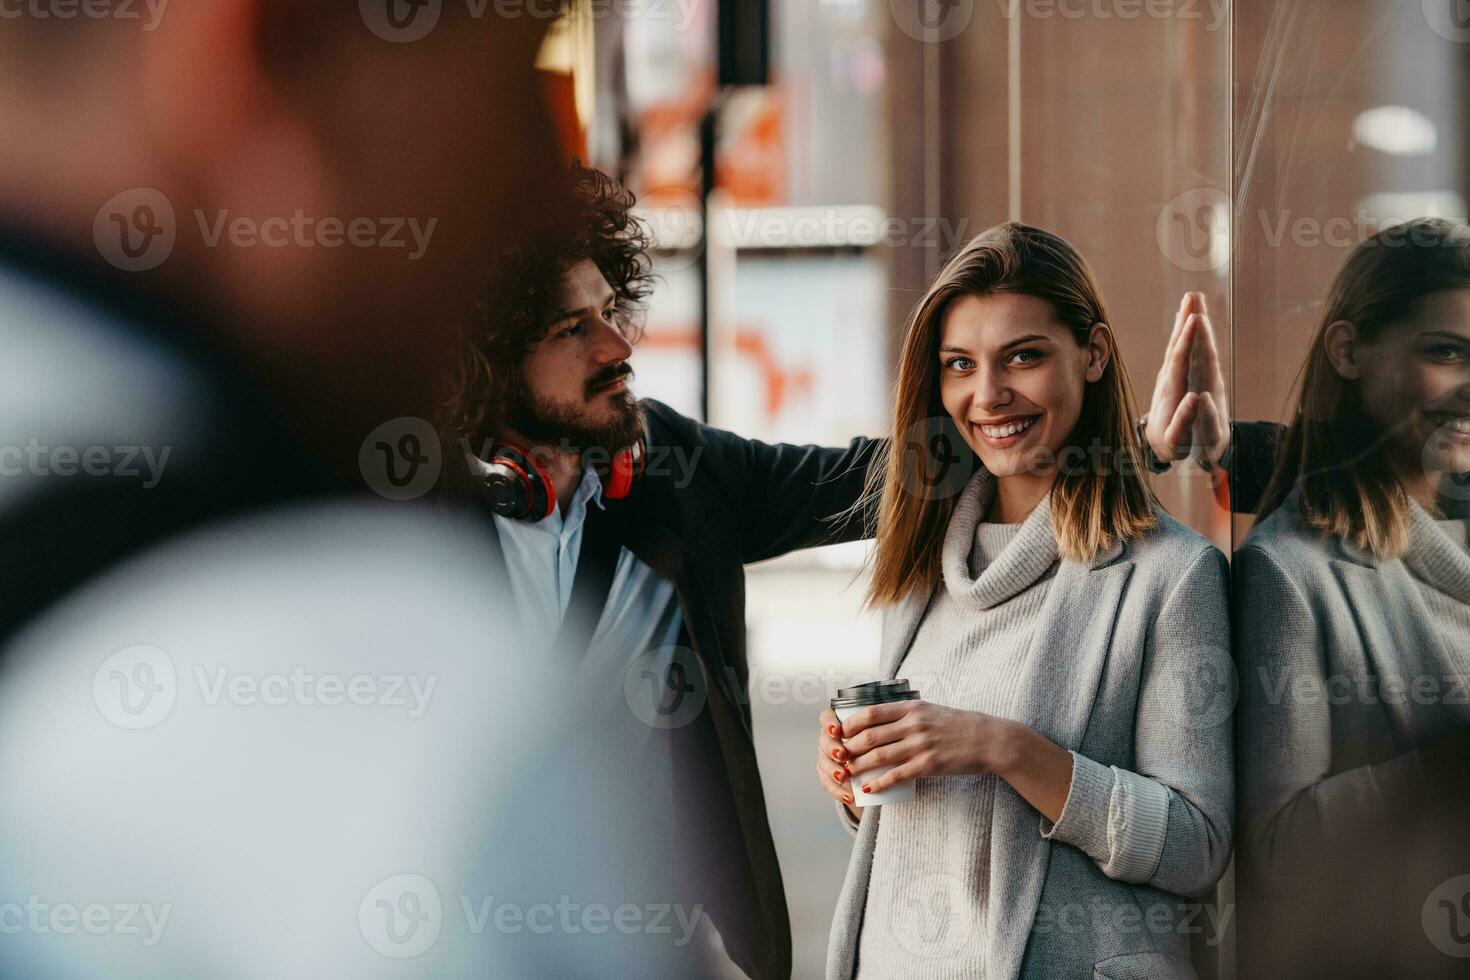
661	650
541	373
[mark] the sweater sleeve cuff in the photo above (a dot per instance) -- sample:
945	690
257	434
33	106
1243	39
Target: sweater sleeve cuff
1118	818
1138	821
849	822
1084	822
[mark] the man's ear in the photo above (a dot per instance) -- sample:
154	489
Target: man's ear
1340	342
1099	350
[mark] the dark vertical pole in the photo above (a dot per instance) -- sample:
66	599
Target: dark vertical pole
743	49
708	131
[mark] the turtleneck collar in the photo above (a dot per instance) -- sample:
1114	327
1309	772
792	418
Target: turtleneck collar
1436	558
1020	565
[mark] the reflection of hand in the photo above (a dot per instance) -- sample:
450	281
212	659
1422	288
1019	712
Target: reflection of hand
918	738
1190	391
832	761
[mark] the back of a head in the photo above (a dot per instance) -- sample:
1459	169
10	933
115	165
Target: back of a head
324	181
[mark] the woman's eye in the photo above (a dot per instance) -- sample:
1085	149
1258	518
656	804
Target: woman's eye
1445	353
959	364
1026	356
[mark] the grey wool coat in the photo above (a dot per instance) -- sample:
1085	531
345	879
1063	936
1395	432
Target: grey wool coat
1354	738
1128	668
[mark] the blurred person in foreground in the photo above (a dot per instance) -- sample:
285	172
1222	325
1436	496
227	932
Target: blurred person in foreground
255	720
233	242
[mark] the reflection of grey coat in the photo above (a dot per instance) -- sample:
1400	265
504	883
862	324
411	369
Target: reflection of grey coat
1352	781
1128	668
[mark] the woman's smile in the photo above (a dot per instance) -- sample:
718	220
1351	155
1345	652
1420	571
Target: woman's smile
1006	432
1450	424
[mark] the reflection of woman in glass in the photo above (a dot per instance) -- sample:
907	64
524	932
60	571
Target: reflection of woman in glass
1072	762
1354	635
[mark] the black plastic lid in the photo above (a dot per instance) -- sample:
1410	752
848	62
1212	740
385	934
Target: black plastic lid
875	692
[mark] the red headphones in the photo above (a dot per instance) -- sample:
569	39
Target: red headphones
517	486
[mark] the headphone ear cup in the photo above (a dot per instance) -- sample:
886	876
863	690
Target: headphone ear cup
517	486
627	466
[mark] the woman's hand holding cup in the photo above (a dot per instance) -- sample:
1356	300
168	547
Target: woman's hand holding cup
832	760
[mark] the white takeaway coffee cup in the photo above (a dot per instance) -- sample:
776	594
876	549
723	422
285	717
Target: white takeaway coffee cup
851	700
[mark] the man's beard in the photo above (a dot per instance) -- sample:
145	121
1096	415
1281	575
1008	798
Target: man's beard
549	423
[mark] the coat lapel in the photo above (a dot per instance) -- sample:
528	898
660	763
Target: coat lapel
1401	646
1059	683
899	626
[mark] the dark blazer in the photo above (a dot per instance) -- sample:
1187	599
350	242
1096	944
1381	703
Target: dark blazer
709	503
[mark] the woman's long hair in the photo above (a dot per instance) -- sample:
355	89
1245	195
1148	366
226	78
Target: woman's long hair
1092	506
1332	452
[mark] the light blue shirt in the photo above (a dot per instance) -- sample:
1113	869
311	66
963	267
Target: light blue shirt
634	687
642	611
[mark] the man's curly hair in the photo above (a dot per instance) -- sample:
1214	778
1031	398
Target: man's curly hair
524	292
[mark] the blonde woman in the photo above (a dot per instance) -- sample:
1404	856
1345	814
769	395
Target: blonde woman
1354	616
1071	755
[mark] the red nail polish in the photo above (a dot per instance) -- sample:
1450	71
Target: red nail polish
837	754
832	730
837	775
866	790
847	799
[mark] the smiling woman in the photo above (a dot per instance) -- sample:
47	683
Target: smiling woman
1064	755
1013	331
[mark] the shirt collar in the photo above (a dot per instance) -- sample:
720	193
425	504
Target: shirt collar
591	486
589	491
